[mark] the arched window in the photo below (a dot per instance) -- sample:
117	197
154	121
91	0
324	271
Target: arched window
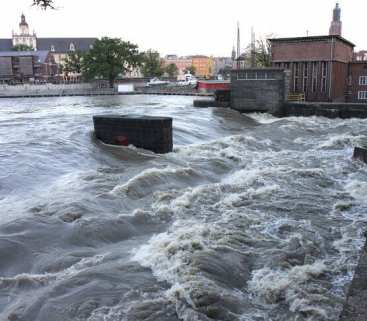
52	48
72	47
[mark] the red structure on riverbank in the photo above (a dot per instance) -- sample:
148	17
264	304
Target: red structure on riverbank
213	85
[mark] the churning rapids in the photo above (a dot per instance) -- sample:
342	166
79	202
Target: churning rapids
249	219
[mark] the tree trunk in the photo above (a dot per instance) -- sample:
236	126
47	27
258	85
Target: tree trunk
111	81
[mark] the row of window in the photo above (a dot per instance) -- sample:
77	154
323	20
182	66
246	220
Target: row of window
253	75
362	80
362	95
71	47
305	75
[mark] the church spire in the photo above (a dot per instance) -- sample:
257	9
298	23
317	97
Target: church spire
23	22
336	24
23	26
233	54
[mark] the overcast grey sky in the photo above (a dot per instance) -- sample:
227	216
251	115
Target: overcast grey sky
186	26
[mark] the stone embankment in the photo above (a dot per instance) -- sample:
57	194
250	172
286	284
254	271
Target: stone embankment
50	90
355	308
330	110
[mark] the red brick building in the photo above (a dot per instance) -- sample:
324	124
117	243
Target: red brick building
357	89
323	68
319	65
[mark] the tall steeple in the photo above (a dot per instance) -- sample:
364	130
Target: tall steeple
24	37
238	40
336	24
233	56
238	45
23	26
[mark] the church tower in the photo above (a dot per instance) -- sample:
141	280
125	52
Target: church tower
23	26
24	37
336	24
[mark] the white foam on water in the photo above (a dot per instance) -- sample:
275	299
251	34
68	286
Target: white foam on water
342	140
263	118
141	184
167	253
26	279
251	193
274	286
357	189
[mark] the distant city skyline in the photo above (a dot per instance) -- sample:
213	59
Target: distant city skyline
186	27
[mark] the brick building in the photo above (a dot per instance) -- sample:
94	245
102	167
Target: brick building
182	63
361	55
323	68
319	65
357	87
25	66
58	47
204	66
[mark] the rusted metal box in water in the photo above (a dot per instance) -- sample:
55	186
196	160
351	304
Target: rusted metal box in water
148	132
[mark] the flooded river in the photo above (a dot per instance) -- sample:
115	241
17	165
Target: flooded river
249	219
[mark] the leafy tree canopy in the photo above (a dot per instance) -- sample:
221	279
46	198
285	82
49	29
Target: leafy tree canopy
171	70
109	58
73	62
262	53
191	70
22	48
152	64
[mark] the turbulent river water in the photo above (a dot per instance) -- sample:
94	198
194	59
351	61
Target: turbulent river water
249	219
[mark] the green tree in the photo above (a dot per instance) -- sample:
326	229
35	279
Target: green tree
152	64
109	58
263	52
190	70
22	48
73	62
172	70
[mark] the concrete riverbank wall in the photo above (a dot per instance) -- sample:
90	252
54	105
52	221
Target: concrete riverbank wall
355	308
60	90
259	89
45	90
330	110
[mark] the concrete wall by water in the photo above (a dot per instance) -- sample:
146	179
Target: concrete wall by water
52	90
356	307
259	89
330	110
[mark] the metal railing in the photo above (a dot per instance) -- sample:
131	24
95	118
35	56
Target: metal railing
296	97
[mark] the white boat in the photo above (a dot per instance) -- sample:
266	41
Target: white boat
157	82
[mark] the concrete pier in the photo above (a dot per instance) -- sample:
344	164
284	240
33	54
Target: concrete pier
355	308
360	153
148	132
